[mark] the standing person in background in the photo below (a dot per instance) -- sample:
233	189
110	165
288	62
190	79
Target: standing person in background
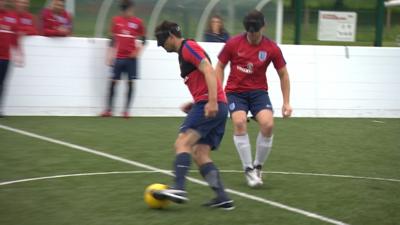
250	54
56	21
128	38
216	31
26	21
9	40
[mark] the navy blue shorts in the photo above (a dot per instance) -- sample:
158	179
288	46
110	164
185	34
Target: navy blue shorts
253	101
211	130
3	70
128	66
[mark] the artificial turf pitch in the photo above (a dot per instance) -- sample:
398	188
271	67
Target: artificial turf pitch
358	147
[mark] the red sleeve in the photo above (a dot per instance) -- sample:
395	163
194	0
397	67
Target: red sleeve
48	28
31	30
278	60
226	53
142	29
193	53
16	35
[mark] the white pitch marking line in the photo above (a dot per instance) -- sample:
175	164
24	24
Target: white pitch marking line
74	175
377	121
191	171
320	175
155	169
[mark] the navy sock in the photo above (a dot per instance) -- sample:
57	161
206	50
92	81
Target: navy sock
129	95
211	174
111	95
182	166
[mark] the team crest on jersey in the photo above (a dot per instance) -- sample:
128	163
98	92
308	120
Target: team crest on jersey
262	56
132	25
232	106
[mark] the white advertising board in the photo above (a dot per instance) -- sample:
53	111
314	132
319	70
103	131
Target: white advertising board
337	26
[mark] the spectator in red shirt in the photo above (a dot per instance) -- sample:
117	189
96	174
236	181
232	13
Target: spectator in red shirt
26	21
128	37
56	22
9	40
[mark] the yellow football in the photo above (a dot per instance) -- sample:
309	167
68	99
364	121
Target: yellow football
150	200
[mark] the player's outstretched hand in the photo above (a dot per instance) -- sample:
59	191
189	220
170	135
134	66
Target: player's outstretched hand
19	60
286	110
187	107
110	61
211	109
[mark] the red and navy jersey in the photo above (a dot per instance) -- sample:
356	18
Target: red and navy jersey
125	31
249	63
26	23
8	33
190	57
52	22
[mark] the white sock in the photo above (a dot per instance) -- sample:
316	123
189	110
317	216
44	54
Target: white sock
264	146
243	147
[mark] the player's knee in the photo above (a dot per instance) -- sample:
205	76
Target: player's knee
200	156
240	124
197	157
181	146
267	127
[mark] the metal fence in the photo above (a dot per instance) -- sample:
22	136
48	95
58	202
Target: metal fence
92	18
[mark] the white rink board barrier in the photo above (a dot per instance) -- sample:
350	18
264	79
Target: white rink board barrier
68	76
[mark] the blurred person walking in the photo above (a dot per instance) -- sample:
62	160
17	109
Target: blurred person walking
128	39
26	21
55	20
9	45
216	31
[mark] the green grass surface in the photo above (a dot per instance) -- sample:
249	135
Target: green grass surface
356	147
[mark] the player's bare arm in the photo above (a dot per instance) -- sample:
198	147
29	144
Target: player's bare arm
211	108
186	107
219	71
18	56
111	52
285	87
138	50
140	42
110	55
17	52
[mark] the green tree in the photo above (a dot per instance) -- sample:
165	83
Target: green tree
339	4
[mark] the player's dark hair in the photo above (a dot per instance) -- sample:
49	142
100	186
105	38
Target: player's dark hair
253	21
165	29
126	4
169	27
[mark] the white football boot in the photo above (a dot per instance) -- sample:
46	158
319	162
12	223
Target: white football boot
258	171
252	178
